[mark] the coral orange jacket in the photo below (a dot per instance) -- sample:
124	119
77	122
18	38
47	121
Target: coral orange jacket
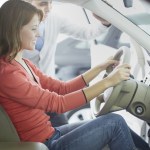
27	101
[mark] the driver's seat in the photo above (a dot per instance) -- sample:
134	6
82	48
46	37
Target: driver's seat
9	139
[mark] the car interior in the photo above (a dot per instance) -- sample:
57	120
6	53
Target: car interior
127	40
136	53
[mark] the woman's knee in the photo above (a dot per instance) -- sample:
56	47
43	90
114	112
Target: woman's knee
116	118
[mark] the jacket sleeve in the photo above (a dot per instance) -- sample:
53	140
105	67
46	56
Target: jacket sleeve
78	31
16	87
58	86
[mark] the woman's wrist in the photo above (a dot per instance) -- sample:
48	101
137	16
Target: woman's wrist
108	82
87	84
99	68
91	74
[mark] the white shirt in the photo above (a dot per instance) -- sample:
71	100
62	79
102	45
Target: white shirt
54	24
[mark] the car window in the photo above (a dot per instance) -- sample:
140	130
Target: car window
137	13
2	1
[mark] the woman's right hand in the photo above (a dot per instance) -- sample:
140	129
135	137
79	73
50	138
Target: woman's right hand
120	73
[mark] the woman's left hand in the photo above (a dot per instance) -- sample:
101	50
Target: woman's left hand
107	63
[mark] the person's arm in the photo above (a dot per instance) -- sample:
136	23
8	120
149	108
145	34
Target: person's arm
77	83
56	85
82	32
89	75
17	87
119	74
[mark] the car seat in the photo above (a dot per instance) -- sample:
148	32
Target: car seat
9	139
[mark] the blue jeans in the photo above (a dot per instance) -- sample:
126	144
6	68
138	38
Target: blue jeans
109	129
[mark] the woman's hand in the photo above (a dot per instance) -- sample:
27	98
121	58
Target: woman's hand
92	73
107	63
120	73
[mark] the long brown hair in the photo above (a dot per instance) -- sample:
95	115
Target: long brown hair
14	14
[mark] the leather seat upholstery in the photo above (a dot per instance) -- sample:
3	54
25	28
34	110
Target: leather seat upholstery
9	139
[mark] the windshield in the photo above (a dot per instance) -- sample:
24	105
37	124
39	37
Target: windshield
135	10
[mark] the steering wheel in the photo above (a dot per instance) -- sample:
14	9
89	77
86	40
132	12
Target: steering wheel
113	98
104	102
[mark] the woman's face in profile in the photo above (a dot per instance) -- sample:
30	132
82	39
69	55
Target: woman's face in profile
29	33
